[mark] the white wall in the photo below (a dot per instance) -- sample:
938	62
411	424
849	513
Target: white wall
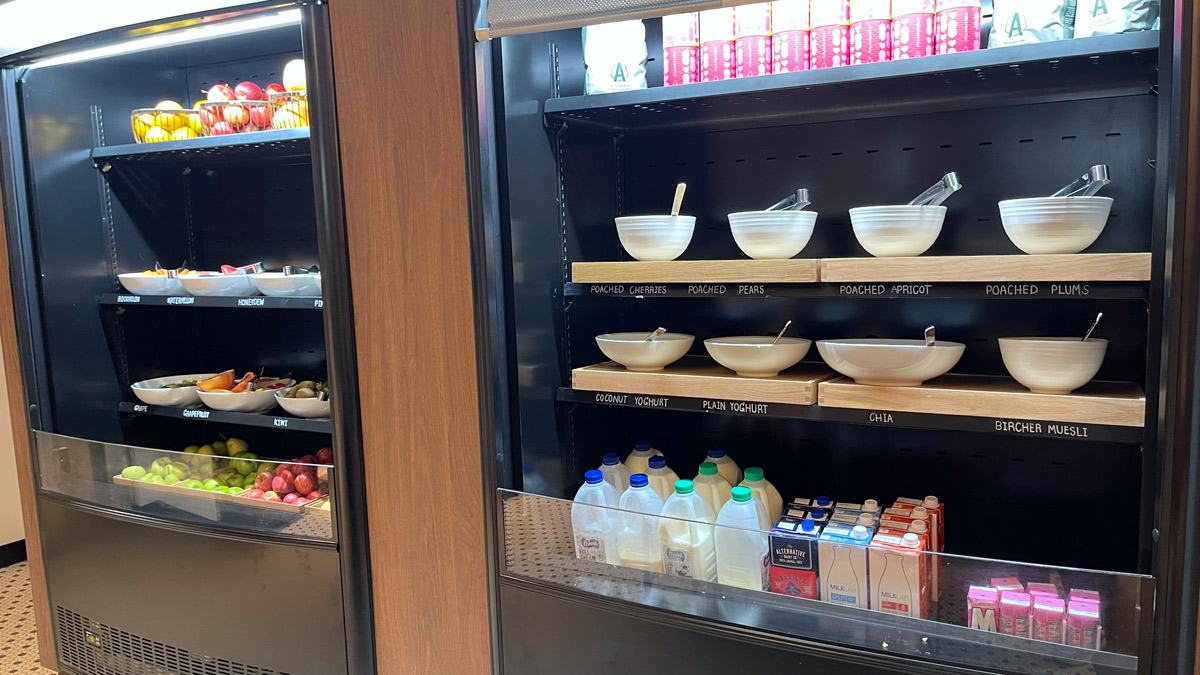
11	527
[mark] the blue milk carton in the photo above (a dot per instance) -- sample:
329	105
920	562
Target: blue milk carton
842	553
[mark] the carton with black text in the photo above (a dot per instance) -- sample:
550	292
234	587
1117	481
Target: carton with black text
793	555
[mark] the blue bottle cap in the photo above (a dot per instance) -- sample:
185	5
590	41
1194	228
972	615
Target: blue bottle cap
808	525
641	445
638	480
716	452
611	459
658	462
818	513
823	501
593	476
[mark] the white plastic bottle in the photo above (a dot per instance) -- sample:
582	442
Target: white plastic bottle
639	460
637	534
763	490
686	532
741	545
712	486
661	477
615	473
725	465
594	520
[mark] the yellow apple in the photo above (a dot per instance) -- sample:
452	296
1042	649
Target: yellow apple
183	133
156	134
293	75
168	104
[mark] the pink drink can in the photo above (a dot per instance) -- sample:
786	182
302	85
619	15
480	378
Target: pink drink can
1049	618
870	31
752	34
830	34
913	33
789	36
1015	614
681	49
717	44
958	26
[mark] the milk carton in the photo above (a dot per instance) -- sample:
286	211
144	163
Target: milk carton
1049	619
821	503
842	552
794	514
789	36
794	550
799	503
1016	611
983	609
1083	624
742	550
594	520
686	532
818	516
898	575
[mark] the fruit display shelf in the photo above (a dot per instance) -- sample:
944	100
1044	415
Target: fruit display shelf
233	147
322	426
247	302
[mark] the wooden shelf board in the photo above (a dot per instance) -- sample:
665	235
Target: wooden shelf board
700	377
1080	267
793	271
1108	403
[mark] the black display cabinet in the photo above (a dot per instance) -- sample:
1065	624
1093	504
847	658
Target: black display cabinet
1082	495
142	578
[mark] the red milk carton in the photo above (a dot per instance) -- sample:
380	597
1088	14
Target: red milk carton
681	48
1016	610
1049	618
794	559
870	31
717	45
789	36
752	40
830	21
1003	584
983	609
1035	589
958	26
1083	624
899	576
913	33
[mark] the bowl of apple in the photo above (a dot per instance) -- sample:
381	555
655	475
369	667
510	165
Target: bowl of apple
305	399
168	121
249	393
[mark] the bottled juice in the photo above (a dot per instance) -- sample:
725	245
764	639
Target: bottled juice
765	492
712	486
639	460
741	543
637	526
594	520
661	477
725	465
615	473
686	532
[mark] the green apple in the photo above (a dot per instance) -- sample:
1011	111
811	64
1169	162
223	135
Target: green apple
221	448
160	466
210	485
244	463
236	481
170	479
226	490
192	484
266	466
237	446
179	470
133	472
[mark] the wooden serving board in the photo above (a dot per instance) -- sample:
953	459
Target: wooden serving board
984	268
793	271
1109	403
701	377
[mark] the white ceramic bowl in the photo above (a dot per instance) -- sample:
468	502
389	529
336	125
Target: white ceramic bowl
892	231
754	356
303	407
772	235
246	401
635	353
280	285
1054	224
318	277
1052	365
890	363
151	392
656	237
225	285
145	284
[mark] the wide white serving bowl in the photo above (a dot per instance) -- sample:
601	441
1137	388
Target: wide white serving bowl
890	363
633	351
303	407
1052	365
246	401
755	356
151	393
772	235
1054	224
146	284
225	285
893	231
278	284
656	238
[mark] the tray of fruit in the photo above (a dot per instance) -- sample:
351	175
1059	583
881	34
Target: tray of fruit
289	487
251	393
305	399
167	121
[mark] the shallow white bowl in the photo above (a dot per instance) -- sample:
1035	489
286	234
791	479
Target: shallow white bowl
143	284
1052	365
635	353
225	285
772	235
891	231
318	277
890	363
151	393
754	356
303	407
280	285
246	401
1054	224
655	238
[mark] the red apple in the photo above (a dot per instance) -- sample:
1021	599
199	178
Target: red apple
325	455
285	467
275	88
210	115
260	116
221	129
283	482
248	91
221	92
305	483
302	501
315	494
236	115
271	496
291	498
255	493
263	480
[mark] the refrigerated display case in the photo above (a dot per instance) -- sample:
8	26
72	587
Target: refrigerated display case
167	547
1089	489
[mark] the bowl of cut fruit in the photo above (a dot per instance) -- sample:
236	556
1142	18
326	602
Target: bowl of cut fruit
305	399
177	390
157	281
250	393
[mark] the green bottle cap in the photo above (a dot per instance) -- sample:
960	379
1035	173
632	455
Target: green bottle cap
684	487
708	469
741	494
754	473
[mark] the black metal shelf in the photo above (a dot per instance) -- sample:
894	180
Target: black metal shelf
993	425
1110	290
1092	67
233	147
246	302
244	419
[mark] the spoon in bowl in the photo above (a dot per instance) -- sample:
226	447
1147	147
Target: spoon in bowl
781	332
939	191
1088	184
793	202
657	331
1088	334
930	337
675	205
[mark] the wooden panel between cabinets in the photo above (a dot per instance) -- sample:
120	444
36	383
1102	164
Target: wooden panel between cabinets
795	271
1110	403
406	204
699	377
1080	267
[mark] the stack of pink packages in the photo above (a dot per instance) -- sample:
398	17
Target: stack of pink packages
1036	610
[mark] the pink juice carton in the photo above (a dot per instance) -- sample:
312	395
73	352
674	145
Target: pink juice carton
789	37
1049	618
958	26
717	44
1083	624
913	33
870	31
830	33
1078	594
899	576
1035	589
752	40
1016	610
983	609
681	49
1003	584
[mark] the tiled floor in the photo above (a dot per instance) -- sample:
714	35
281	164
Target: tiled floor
18	636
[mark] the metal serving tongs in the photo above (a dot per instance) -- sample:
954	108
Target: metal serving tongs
793	202
930	337
1088	184
939	191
